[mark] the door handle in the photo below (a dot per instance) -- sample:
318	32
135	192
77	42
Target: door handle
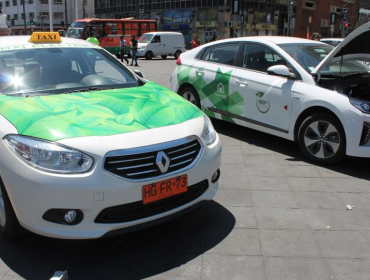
241	83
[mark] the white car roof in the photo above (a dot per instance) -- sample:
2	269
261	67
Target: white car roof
7	41
272	39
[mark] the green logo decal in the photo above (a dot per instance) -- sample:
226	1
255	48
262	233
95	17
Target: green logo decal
262	102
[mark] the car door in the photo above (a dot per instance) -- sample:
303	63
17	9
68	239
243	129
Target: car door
214	77
156	45
267	98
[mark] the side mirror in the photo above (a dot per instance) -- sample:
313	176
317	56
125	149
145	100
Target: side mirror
280	70
139	73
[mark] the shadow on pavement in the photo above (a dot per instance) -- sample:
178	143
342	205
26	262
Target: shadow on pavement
351	166
135	255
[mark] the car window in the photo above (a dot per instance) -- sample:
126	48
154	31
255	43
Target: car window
224	54
260	58
52	70
145	38
156	39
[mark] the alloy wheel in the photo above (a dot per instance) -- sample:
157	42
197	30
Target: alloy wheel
189	96
322	139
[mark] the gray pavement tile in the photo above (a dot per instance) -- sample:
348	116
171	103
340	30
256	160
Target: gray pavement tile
14	277
221	267
237	242
256	170
234	183
232	150
288	243
309	184
324	219
279	268
274	199
332	173
234	217
234	159
229	141
342	244
231	170
234	198
260	159
190	270
269	183
255	150
280	218
3	267
349	269
288	160
348	185
321	200
360	201
302	171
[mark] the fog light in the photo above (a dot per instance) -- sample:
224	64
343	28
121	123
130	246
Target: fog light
216	176
70	216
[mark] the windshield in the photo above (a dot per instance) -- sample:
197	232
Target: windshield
310	55
57	70
145	38
75	30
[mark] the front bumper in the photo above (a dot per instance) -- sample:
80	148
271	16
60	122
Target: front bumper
33	192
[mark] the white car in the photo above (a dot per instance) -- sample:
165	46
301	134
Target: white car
332	41
298	89
88	147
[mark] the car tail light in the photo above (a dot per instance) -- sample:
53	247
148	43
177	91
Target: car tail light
178	61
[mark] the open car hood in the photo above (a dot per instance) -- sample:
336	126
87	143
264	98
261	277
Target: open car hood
354	46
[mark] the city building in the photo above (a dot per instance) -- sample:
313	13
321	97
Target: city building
206	18
309	16
26	16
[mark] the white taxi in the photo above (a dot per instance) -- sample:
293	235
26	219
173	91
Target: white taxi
88	147
298	89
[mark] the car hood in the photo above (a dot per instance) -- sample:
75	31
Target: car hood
99	113
354	46
142	45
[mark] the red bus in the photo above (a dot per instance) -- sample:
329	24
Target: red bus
108	31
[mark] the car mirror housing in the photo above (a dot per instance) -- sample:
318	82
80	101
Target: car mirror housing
139	73
280	70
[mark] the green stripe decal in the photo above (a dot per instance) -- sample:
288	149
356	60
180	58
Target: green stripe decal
100	113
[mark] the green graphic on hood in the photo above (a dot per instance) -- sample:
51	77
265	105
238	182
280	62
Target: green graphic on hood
216	92
100	113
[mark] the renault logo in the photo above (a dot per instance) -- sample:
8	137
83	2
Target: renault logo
162	161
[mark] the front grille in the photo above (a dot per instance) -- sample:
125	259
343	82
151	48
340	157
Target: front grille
135	165
137	210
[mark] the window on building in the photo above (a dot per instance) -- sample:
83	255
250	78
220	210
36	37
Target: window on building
32	15
1	4
22	15
15	3
58	2
44	15
15	16
7	4
44	1
30	1
58	16
7	17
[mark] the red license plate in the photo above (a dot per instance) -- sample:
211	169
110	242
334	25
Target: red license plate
164	189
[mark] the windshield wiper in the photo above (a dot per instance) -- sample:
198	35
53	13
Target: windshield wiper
87	89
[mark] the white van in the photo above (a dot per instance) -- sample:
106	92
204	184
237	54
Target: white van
161	43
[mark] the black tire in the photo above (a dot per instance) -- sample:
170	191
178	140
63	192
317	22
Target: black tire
164	56
11	227
149	55
322	139
190	95
177	54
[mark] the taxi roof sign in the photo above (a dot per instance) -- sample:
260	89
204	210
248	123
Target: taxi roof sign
45	37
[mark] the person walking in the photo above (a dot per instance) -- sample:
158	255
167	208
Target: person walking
133	50
122	46
195	42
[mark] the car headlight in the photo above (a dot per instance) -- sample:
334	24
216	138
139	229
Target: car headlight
361	105
48	156
208	133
